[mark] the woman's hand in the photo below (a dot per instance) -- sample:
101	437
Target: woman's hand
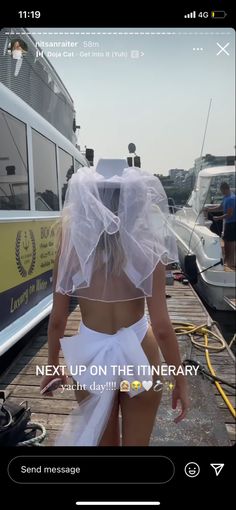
48	378
180	393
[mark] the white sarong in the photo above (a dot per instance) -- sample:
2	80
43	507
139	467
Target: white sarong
91	349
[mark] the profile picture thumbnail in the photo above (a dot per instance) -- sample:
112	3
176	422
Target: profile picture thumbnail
17	48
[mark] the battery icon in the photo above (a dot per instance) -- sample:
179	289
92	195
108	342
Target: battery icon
218	14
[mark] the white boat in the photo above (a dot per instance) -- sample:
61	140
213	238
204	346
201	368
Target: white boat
200	249
36	162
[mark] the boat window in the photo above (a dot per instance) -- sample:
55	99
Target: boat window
45	173
14	178
214	196
66	169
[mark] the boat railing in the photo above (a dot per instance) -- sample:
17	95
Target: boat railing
173	208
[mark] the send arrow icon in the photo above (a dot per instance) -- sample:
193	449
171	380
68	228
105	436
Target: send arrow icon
217	468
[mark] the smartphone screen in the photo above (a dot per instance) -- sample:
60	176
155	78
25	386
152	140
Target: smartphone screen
158	96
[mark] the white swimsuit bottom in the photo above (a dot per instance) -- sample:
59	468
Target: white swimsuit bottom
104	359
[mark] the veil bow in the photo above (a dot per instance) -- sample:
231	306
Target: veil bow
115	230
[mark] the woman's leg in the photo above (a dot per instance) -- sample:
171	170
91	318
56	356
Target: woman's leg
139	412
111	435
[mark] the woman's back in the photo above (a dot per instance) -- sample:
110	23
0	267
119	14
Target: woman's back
110	317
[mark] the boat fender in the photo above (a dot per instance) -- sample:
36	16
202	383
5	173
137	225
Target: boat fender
190	268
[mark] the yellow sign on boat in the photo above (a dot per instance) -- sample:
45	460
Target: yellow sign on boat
27	251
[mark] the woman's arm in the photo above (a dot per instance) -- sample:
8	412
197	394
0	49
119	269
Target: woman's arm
160	320
57	320
56	326
166	337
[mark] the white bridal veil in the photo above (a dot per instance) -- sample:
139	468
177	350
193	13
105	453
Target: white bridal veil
114	232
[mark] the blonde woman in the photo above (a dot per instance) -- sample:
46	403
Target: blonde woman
114	249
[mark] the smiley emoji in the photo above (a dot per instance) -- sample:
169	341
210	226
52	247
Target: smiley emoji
136	385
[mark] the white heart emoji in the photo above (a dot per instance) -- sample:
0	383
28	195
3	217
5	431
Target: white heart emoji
147	385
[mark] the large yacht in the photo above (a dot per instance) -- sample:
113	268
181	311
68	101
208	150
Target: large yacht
200	243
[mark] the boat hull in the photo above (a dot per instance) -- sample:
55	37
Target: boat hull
214	284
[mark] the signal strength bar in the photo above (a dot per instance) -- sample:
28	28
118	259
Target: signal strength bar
190	15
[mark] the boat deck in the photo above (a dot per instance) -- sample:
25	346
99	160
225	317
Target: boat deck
209	421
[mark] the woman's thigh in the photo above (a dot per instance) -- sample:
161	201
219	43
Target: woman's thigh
139	412
111	434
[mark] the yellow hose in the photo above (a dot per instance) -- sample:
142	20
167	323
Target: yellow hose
183	328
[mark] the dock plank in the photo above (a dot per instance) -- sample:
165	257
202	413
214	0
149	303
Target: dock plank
49	405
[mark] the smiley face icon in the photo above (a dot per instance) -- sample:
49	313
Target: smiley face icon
136	385
192	469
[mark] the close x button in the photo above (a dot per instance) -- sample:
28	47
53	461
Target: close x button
91	469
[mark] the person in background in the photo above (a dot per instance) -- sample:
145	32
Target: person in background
229	216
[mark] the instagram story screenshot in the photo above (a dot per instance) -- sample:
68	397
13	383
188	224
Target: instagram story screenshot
117	257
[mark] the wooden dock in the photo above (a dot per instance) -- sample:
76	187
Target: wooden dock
209	421
231	302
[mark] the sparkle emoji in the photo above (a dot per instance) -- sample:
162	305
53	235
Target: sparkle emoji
136	385
124	386
170	386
